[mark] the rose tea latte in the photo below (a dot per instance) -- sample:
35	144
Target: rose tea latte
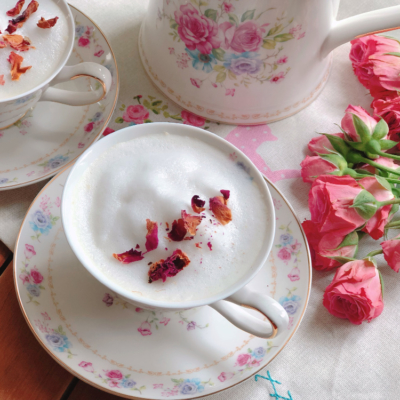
49	45
155	177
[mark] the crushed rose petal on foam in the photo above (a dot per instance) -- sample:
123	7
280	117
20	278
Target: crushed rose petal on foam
46	24
170	267
152	235
2	44
2	81
19	21
16	70
178	230
191	222
129	256
17	9
18	42
198	204
218	205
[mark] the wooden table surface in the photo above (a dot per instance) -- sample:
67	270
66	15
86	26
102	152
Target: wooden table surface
26	370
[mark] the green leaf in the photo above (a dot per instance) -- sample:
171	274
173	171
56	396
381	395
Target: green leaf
381	130
173	24
219	68
166	114
361	129
147	104
269	44
382	284
284	37
219	54
156	103
119	120
233	19
365	204
231	74
220	77
249	14
387	144
392	53
275	30
249	350
270	343
156	111
212	14
203	3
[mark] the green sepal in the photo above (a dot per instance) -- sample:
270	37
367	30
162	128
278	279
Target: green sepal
337	143
392	53
381	130
383	182
364	172
361	129
336	159
387	144
349	240
356	145
394	209
342	260
381	280
365	204
396	192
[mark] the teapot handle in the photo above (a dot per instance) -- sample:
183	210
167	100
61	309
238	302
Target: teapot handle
383	20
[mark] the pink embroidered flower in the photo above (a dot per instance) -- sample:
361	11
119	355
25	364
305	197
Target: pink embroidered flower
98	51
171	50
145	329
158	385
113	383
282	60
192	119
196	30
284	254
24	278
29	251
294	247
137	114
191	326
294	274
254	363
88	127
182	60
224	376
57	202
87	366
248	36
165	321
107	131
108	300
243	359
83	42
45	316
36	276
138	309
196	82
214	84
81	145
296	32
230	92
227	7
114	374
278	77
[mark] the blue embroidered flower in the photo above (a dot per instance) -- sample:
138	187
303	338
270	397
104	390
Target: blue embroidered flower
79	30
291	304
244	63
191	386
33	290
40	222
59	342
3	180
128	383
259	352
57	161
97	116
286	239
201	61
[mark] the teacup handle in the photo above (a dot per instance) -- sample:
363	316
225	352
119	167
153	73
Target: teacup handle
72	98
276	315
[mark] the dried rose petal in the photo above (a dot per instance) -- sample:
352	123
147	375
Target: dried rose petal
2	44
218	205
152	235
129	256
16	69
21	19
198	204
18	42
46	24
197	245
191	222
226	194
170	267
17	9
11	28
178	230
2	81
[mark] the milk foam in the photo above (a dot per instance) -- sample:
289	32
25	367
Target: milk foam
50	47
155	177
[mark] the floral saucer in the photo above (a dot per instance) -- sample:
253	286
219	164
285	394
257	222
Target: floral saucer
136	353
53	135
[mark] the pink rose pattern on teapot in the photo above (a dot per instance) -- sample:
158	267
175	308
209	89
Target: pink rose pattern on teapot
230	50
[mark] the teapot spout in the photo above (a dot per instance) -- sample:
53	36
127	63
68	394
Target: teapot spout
377	21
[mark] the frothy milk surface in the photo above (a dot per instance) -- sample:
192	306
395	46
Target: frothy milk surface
50	47
155	177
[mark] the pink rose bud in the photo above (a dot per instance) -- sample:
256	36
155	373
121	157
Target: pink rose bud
326	164
391	252
355	292
389	110
348	123
321	144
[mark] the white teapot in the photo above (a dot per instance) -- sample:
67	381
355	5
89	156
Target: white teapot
247	61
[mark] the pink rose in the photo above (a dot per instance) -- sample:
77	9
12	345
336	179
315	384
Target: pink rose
284	254
248	36
158	385
355	292
36	276
278	77
108	300
45	316
136	114
294	247
87	366
196	82
24	278
227	7
192	119
165	321
83	42
375	226
389	110
196	30
391	252
224	376
243	359
191	326
88	127
321	143
348	124
254	363
138	309
98	51
81	145
29	251
282	60
230	92
313	167
145	329
114	374
107	131
387	162
294	274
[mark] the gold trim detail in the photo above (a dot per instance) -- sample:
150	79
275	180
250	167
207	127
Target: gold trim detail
19	119
274	327
103	85
375	32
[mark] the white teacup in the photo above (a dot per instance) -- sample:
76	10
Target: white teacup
14	108
238	293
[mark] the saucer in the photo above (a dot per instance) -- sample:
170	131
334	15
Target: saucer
53	135
136	353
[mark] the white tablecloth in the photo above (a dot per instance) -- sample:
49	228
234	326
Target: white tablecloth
328	358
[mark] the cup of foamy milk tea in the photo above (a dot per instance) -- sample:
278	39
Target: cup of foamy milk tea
152	171
53	47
